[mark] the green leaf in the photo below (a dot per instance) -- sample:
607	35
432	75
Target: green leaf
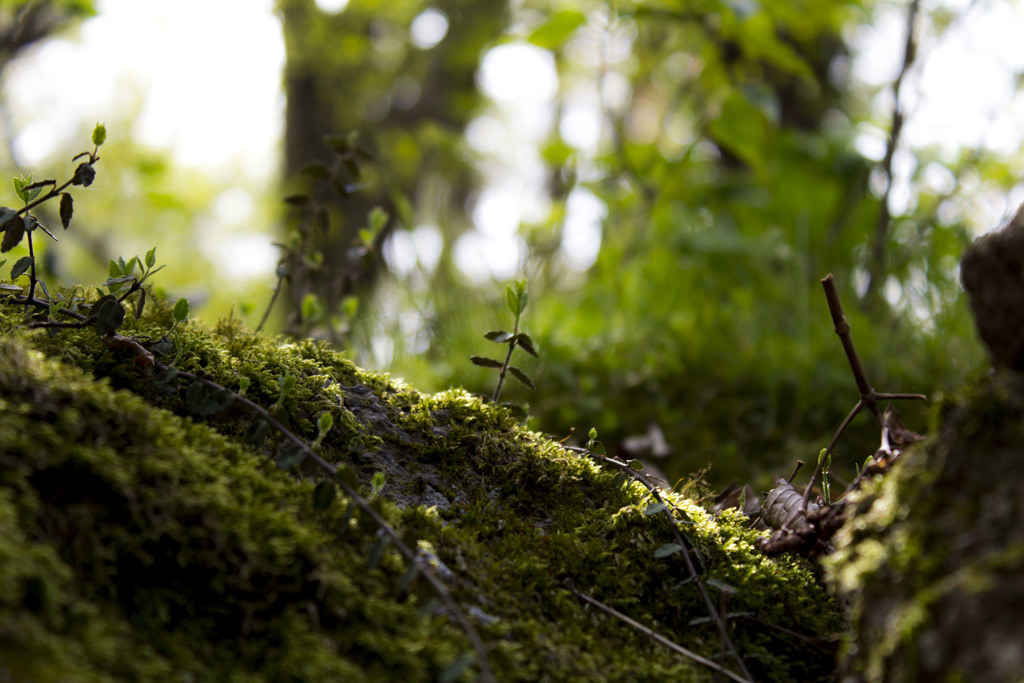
6	215
499	336
118	280
109	317
130	266
23	190
404	208
287	383
378	218
20	266
219	400
99	134
654	508
512	300
114	270
378	482
84	175
292	456
555	31
94	308
526	344
377	552
666	550
312	309
636	465
350	305
67	208
345	475
521	376
180	311
13	234
407	577
167	375
151	258
743	129
256	433
324	423
195	395
455	670
315	169
486	362
522	295
324	494
297	200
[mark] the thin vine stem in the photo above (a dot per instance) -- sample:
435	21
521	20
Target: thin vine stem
657	637
688	560
486	674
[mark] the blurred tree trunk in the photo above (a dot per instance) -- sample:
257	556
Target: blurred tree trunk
361	70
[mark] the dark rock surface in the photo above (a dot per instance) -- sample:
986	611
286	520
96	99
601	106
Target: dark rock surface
992	270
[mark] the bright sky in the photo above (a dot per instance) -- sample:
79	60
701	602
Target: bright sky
205	76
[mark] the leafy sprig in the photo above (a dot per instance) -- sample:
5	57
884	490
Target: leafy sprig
302	255
19	224
517	298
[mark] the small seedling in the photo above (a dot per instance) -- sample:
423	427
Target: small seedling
377	484
516	298
287	383
21	223
323	425
827	457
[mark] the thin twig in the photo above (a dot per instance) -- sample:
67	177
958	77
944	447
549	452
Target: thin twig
331	471
675	647
684	544
508	360
884	217
869	398
273	299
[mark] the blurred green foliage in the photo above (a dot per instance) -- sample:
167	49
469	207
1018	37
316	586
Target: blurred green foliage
729	182
727	177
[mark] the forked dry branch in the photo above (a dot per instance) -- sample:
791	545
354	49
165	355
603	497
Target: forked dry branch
804	527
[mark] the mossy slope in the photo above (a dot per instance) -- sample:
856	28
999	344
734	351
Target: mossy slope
933	563
140	543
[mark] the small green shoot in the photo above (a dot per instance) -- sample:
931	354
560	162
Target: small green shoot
323	425
21	223
517	298
287	383
377	484
827	458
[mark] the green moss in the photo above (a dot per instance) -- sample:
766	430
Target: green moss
138	542
931	564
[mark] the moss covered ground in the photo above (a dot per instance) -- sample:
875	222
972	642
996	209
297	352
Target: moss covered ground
139	542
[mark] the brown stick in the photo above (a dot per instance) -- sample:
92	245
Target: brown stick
869	398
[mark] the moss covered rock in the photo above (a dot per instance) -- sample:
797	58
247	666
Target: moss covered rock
933	563
141	541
